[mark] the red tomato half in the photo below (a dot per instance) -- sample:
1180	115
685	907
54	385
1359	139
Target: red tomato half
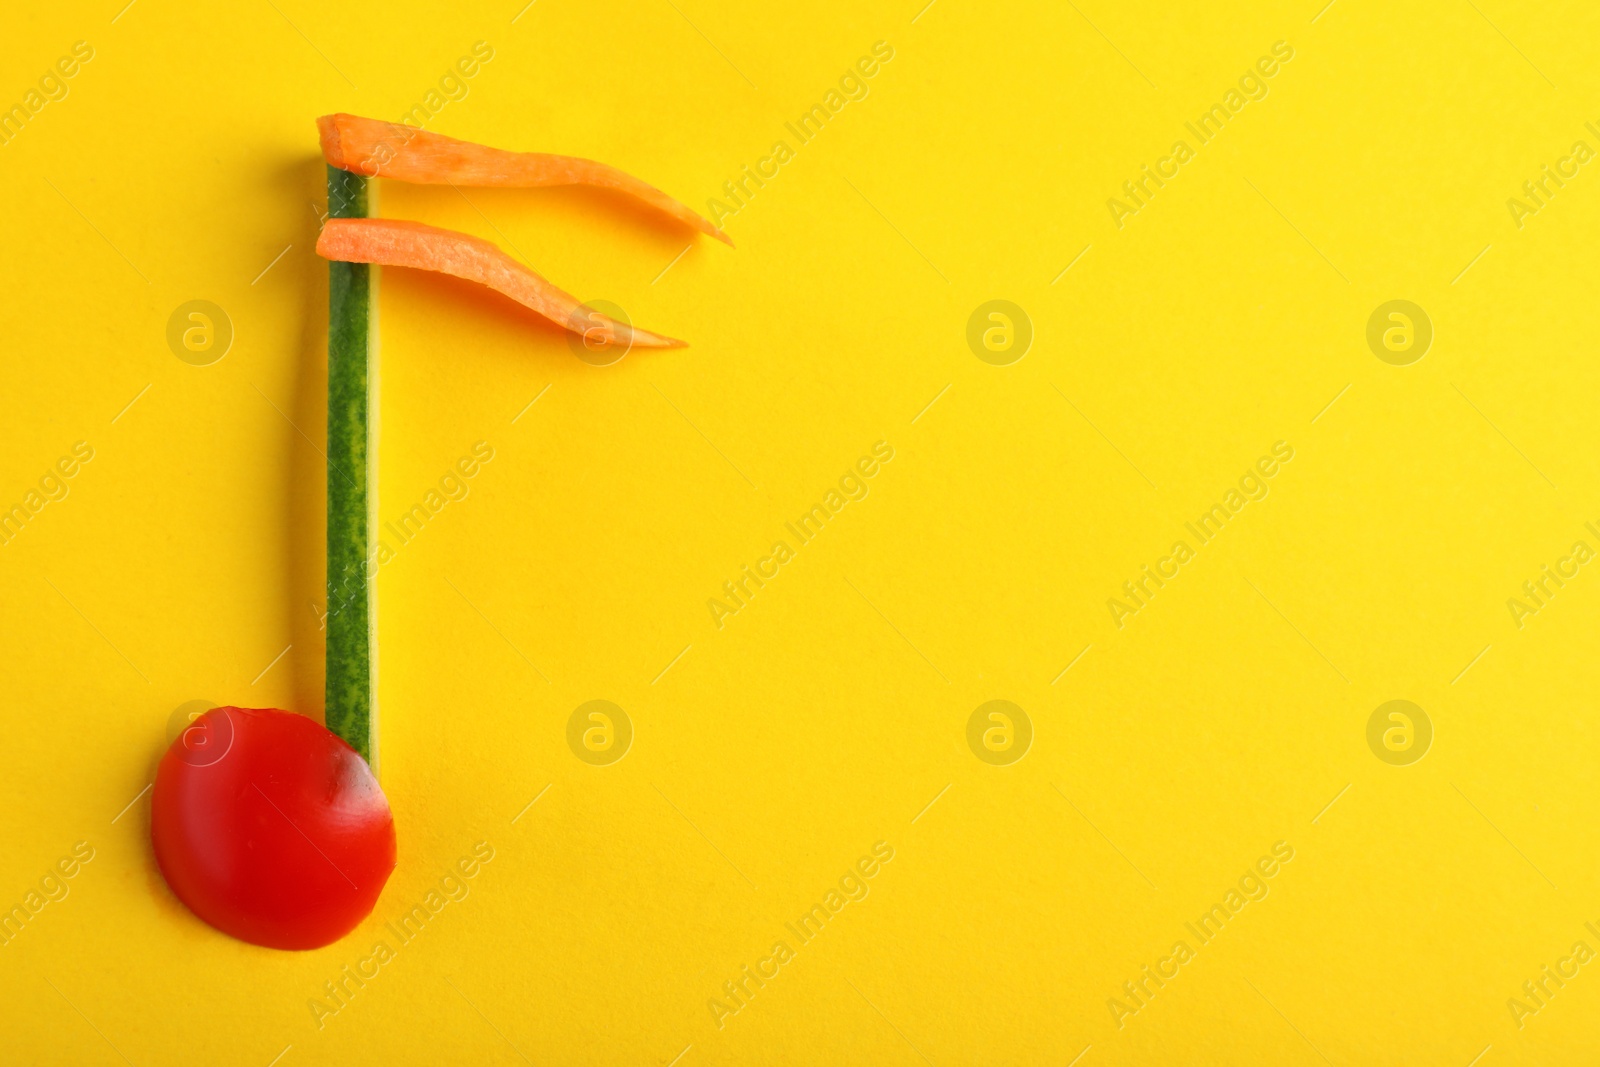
271	828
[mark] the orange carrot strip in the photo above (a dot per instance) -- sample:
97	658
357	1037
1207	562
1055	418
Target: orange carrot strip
409	154
399	243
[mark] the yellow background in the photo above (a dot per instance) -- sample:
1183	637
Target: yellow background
827	714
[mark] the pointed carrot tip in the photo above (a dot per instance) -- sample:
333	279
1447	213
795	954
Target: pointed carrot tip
710	229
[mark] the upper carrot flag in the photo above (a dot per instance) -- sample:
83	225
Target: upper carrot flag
378	149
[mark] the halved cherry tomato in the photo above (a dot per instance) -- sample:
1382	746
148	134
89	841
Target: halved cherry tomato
271	828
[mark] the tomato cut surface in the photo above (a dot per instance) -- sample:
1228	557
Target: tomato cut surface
271	828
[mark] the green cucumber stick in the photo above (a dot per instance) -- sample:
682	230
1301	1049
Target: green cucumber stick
352	668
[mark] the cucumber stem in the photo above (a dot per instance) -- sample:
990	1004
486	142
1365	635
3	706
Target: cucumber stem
352	648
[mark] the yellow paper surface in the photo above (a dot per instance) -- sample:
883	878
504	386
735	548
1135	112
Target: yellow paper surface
1170	749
